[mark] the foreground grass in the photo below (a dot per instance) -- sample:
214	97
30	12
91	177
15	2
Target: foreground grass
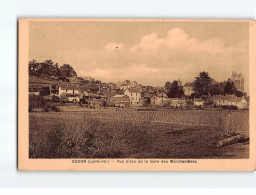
69	135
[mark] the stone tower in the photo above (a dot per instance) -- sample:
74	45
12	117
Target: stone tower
238	80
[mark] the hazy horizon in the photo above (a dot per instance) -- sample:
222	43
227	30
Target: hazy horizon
148	52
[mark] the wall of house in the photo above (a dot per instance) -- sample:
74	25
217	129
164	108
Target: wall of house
198	103
188	90
61	91
120	101
73	99
135	98
242	104
178	103
34	93
158	100
222	102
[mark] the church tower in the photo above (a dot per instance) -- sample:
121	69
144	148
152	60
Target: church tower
238	80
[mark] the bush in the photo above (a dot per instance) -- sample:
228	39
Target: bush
230	107
140	139
55	108
46	109
233	107
36	101
81	135
87	137
55	98
224	107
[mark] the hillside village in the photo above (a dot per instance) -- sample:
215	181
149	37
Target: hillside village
61	84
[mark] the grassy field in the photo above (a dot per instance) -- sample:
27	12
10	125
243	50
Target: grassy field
134	134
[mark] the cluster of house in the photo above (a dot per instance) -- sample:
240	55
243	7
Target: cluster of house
127	93
133	97
126	84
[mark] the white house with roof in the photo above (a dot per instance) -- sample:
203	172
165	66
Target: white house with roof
68	88
188	89
159	99
135	96
199	102
230	100
177	102
69	91
120	100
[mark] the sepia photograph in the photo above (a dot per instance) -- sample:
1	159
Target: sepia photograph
135	89
128	96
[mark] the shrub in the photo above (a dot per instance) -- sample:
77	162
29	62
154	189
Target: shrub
55	108
224	107
55	98
87	137
233	107
46	109
140	139
36	101
81	135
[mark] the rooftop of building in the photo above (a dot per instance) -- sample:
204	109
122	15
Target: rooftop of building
134	90
230	98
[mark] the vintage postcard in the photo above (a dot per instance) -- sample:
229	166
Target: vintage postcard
136	95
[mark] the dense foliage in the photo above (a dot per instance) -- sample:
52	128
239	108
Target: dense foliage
205	85
174	90
48	68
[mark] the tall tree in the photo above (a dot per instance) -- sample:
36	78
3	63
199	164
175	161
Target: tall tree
217	88
167	85
48	68
67	71
230	87
45	67
202	83
32	68
239	93
175	91
54	70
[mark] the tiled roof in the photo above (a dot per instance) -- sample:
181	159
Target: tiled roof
69	86
41	85
134	90
199	100
72	94
42	80
177	100
119	96
235	99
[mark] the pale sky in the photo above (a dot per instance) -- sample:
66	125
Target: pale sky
148	52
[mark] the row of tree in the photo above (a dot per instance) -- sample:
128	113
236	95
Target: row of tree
203	85
174	90
48	68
